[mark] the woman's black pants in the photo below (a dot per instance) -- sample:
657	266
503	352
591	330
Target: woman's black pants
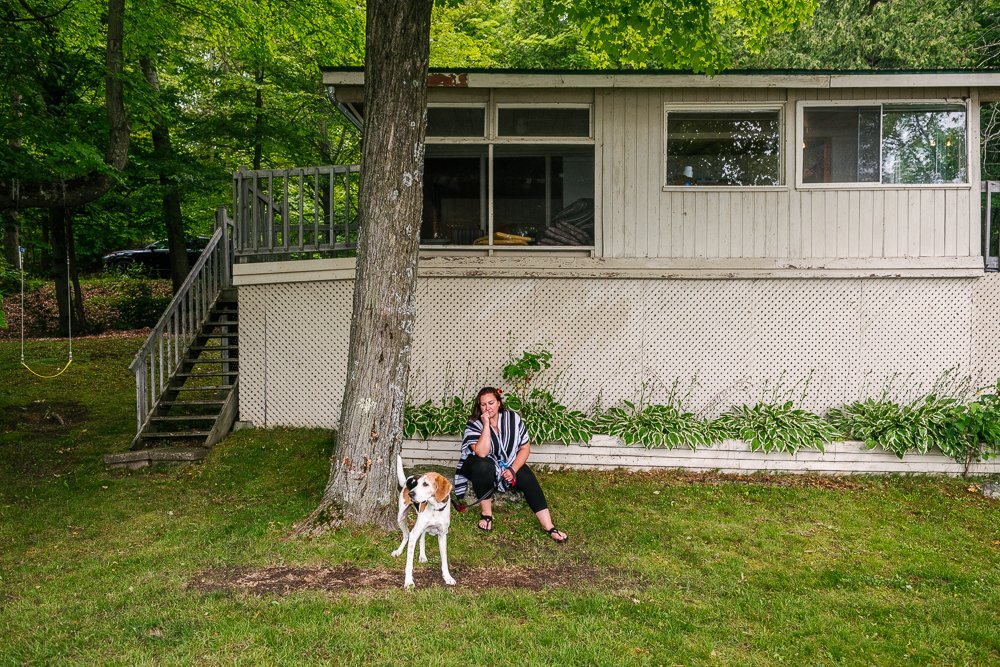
482	473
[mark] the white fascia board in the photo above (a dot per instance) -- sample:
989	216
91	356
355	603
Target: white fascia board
919	80
756	80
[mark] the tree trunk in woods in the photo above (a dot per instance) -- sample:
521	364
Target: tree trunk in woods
79	316
362	485
11	237
170	194
64	270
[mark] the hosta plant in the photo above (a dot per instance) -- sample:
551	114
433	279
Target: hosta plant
549	420
427	419
966	432
656	426
771	427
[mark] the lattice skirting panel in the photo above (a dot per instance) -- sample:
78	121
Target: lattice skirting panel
711	343
732	456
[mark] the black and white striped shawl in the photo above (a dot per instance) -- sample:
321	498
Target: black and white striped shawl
506	440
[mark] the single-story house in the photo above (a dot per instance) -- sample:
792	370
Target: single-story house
759	235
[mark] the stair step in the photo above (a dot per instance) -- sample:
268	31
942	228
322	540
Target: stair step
220	401
214	387
167	435
210	374
184	418
214	347
212	360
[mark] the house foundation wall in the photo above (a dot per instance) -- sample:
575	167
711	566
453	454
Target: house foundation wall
710	343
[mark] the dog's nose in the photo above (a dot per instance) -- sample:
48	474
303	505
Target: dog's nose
413	495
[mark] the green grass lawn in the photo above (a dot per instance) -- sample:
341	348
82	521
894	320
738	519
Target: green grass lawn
96	565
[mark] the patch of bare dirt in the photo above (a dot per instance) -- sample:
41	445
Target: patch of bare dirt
352	580
41	416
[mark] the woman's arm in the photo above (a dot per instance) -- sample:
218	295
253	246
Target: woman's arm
522	456
483	445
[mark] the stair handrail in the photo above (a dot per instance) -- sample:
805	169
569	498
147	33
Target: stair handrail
161	354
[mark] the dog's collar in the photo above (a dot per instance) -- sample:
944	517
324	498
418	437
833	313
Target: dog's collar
435	505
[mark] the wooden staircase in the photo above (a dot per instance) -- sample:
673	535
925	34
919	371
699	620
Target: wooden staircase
187	372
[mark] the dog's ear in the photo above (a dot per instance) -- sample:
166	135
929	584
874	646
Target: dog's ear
442	488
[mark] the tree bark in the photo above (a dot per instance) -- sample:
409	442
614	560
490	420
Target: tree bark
57	229
11	237
78	313
71	194
362	485
172	217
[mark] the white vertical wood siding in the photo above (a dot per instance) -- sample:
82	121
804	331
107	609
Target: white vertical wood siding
640	219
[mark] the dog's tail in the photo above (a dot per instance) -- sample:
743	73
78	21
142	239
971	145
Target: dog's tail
400	474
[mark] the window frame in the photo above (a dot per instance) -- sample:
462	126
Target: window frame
456	139
490	140
494	130
722	107
880	104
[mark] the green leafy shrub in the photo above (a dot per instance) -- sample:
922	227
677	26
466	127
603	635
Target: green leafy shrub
656	426
773	427
547	419
427	419
521	372
980	424
134	300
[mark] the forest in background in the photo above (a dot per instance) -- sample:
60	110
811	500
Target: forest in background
207	89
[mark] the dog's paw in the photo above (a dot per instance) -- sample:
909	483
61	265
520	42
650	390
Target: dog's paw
449	580
408	584
397	553
423	558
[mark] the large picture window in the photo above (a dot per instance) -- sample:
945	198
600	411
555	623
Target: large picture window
890	144
509	193
738	147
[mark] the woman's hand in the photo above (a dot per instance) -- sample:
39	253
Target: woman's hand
508	475
485	417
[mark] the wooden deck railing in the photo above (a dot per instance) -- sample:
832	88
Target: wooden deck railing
991	225
163	351
288	212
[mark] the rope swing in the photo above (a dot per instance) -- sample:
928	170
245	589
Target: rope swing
69	293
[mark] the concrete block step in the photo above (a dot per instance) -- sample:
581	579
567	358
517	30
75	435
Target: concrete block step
141	458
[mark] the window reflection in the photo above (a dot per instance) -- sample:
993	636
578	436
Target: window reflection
723	148
892	144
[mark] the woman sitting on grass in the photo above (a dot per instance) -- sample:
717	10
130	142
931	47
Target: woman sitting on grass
494	458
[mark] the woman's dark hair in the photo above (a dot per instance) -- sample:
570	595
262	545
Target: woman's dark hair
477	412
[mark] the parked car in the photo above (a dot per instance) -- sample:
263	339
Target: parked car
154	258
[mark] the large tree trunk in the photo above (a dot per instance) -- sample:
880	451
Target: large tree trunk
172	217
362	485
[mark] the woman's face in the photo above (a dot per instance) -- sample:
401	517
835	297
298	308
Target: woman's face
489	405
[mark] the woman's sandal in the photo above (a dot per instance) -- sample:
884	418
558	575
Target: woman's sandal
552	533
488	518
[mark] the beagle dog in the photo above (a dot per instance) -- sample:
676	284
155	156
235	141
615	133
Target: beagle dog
430	494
